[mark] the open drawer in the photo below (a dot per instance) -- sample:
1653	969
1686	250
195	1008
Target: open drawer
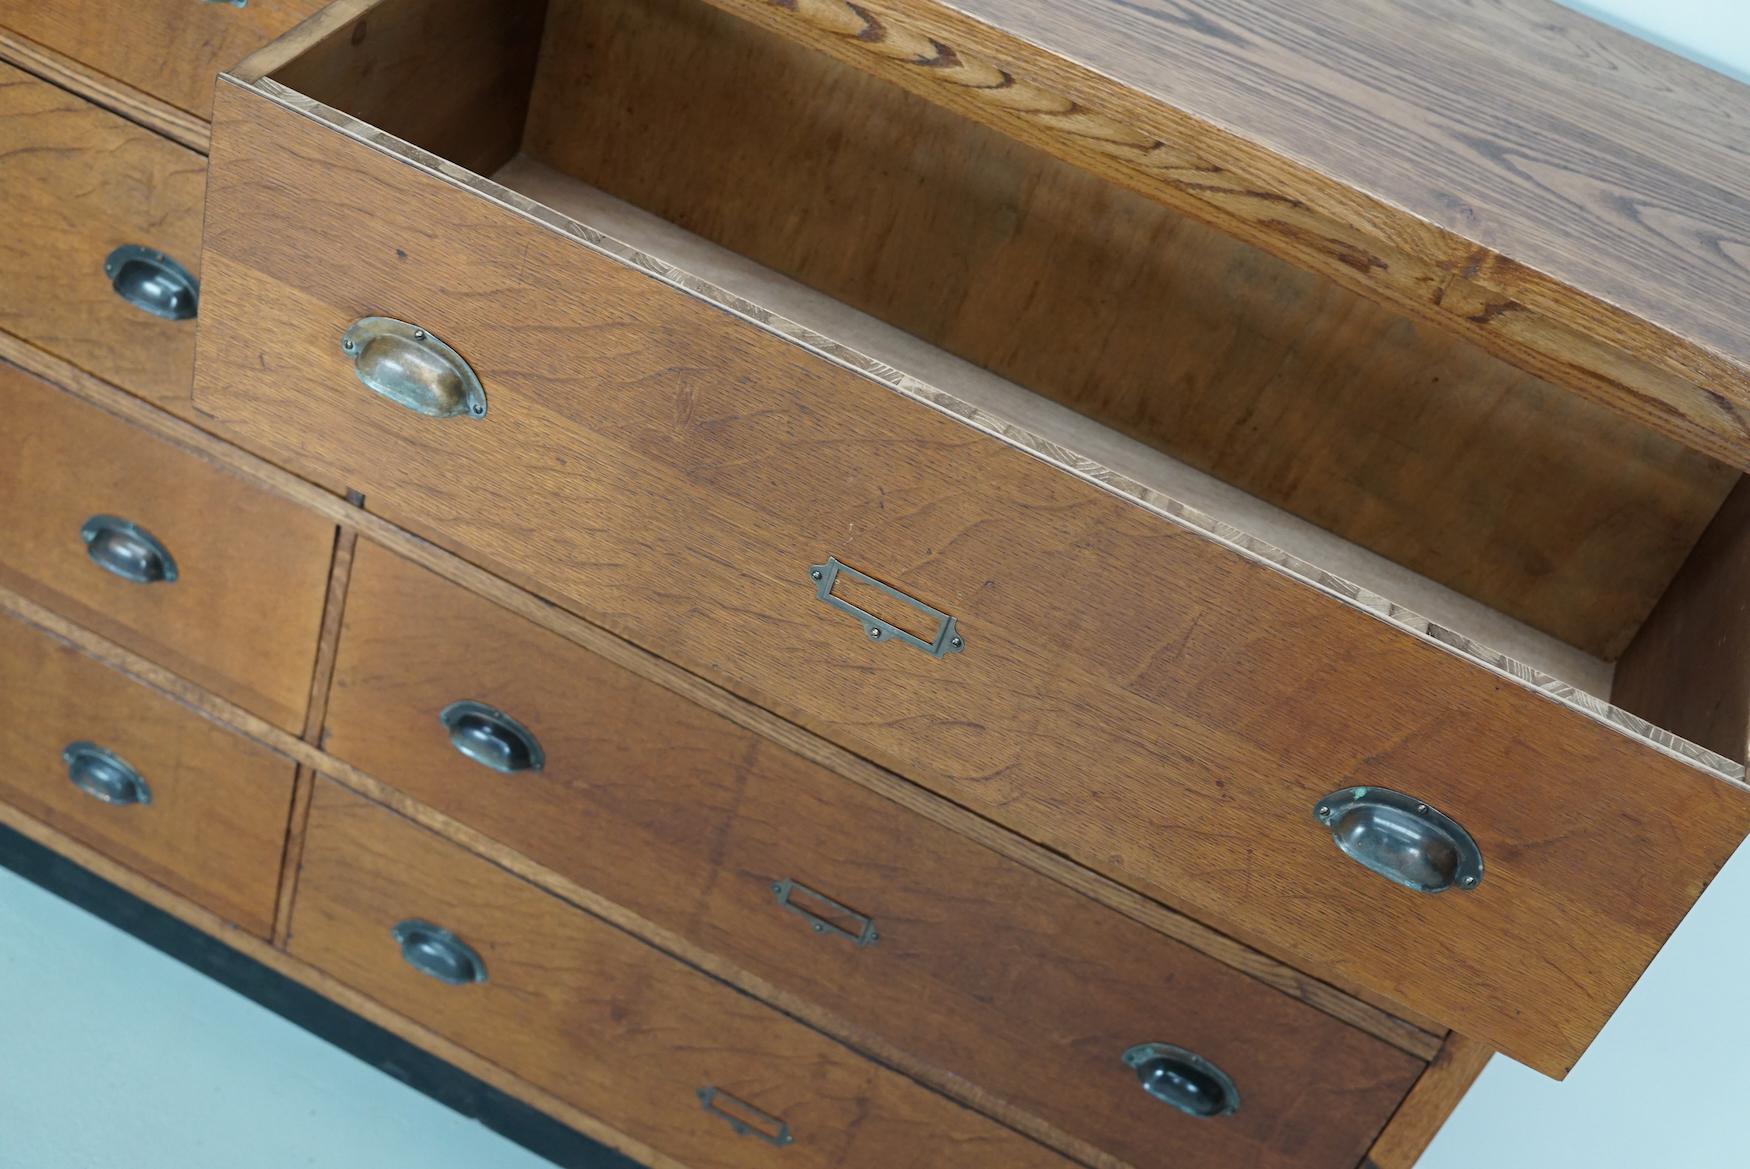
1175	554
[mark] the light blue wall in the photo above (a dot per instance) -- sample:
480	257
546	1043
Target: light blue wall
1714	32
1667	1084
113	1056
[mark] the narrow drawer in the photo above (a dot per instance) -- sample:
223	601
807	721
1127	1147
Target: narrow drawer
1155	673
969	961
161	551
169	48
120	767
100	259
580	1009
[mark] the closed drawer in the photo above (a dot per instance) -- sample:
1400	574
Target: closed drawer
125	770
970	962
590	1014
169	48
161	551
1144	683
78	183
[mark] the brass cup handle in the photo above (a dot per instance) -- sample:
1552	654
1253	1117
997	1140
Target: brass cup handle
1183	1079
491	737
103	775
126	549
436	952
1402	839
412	368
152	282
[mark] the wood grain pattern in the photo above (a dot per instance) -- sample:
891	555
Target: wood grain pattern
1568	197
217	821
171	49
240	552
1429	1103
603	1020
76	182
1407	440
453	75
668	471
994	975
282	963
119	97
1356	1006
1689	667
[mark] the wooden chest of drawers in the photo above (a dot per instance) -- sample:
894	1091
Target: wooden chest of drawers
862	579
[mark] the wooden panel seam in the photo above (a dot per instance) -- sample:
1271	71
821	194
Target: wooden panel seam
322	677
117	97
1435	1094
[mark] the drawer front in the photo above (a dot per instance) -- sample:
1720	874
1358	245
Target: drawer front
78	183
241	616
1130	692
587	1012
205	818
978	966
171	49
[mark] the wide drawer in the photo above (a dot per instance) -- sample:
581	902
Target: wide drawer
169	48
125	770
80	184
160	550
1140	683
972	963
652	1047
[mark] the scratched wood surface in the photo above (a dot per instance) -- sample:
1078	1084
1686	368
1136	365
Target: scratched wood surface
171	49
1564	194
993	974
77	181
1403	438
600	1019
241	553
1132	694
216	825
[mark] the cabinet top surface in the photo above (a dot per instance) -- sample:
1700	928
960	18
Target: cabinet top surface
1562	159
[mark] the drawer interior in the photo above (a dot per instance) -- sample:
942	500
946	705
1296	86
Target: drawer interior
1379	458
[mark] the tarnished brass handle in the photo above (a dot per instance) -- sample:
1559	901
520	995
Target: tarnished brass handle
103	775
126	549
152	282
1182	1079
435	951
491	737
1402	839
411	368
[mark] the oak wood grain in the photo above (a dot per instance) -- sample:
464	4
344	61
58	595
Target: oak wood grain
604	1021
1689	666
171	49
116	96
1569	197
989	973
1134	695
1358	1007
216	824
1398	436
240	552
76	182
277	960
1430	1102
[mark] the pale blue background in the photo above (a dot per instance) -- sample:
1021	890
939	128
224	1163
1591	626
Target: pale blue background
182	1074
